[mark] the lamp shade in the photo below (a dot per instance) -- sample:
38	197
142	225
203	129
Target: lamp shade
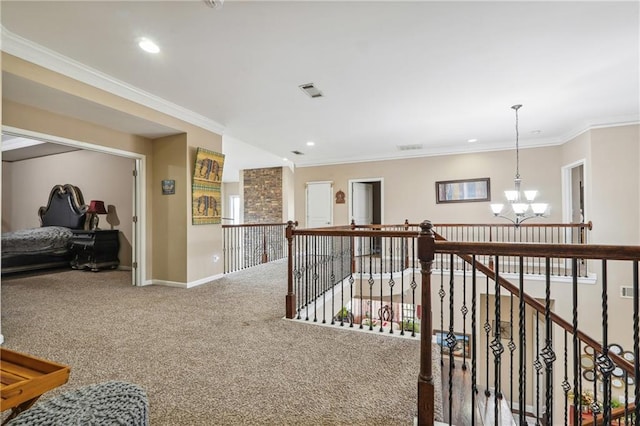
97	207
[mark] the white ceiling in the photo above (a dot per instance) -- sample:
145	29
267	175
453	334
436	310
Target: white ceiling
393	73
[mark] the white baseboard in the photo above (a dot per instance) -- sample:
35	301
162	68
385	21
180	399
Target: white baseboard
186	285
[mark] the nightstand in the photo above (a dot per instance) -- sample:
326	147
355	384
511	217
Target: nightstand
95	250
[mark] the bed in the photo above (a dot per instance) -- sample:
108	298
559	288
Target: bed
47	246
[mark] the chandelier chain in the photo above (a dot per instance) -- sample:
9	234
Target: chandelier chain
516	108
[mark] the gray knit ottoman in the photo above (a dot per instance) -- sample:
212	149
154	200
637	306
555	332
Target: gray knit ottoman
108	403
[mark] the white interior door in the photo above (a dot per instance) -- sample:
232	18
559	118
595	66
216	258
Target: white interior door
319	204
362	213
362	203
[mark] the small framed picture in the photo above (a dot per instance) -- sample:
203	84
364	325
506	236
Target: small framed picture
505	329
168	187
462	347
463	190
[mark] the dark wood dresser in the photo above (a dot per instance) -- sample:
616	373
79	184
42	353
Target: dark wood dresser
95	250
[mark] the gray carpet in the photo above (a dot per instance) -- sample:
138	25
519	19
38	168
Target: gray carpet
217	354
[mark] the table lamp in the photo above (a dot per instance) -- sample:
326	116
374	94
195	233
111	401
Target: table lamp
96	207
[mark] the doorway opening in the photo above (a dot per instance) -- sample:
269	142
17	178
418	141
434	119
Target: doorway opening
138	195
573	195
366	199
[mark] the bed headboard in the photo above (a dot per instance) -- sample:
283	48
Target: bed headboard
65	208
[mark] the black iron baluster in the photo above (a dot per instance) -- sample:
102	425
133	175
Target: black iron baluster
474	386
496	344
636	342
298	273
306	274
315	278
451	337
522	355
342	307
512	347
403	266
603	361
391	284
361	278
538	366
349	255
332	276
441	293
566	386
414	285
487	329
371	282
548	355
464	311
324	276
380	312
577	391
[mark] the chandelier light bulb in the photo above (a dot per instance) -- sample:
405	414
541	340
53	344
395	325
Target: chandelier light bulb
496	208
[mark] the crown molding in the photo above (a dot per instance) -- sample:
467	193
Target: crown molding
29	51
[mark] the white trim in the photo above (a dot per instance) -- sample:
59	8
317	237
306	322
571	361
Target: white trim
567	191
141	183
40	55
186	285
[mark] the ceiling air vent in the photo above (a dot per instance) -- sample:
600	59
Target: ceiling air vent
311	90
626	292
410	147
298	152
215	4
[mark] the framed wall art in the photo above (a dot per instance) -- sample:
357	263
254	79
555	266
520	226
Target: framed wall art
463	190
463	343
206	194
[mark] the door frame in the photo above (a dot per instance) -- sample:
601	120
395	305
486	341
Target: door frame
567	190
138	245
366	180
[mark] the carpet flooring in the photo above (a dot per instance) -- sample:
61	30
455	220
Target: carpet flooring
217	354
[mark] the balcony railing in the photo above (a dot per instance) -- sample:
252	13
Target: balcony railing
524	344
249	245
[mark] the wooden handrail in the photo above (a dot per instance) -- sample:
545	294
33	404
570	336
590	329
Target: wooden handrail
252	225
616	413
570	251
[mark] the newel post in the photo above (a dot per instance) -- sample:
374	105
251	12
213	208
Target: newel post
426	254
290	300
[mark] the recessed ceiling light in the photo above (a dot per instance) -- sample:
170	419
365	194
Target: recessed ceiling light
285	159
472	140
148	45
311	143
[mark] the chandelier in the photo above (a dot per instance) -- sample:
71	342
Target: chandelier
521	202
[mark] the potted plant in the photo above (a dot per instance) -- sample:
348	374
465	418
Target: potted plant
411	325
344	315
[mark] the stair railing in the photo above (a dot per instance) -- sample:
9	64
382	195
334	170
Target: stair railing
247	245
606	365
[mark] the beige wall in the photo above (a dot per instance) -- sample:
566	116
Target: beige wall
409	185
201	241
99	176
169	213
288	195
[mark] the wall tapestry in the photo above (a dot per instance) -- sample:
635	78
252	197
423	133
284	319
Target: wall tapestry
207	180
